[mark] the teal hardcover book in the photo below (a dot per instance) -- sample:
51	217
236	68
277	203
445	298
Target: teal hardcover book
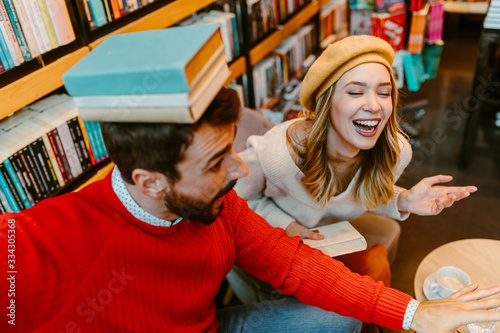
162	61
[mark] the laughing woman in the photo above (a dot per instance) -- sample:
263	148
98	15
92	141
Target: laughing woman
343	158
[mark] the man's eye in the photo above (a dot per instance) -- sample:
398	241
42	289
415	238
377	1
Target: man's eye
216	166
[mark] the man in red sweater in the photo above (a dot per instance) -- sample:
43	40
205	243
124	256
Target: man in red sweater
146	249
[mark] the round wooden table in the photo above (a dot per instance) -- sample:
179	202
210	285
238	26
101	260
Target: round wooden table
480	258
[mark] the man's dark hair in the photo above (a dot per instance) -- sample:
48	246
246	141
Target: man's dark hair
161	146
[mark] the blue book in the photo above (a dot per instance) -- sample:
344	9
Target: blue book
10	197
5	55
17	183
18	30
161	61
97	8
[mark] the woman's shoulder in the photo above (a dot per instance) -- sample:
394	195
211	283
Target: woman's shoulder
405	154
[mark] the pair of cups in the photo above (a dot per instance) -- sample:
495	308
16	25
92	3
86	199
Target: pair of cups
449	279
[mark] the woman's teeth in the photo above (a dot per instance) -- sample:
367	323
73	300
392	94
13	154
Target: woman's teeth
366	125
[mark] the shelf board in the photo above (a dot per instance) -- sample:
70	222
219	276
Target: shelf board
270	43
464	7
37	84
100	174
161	18
238	67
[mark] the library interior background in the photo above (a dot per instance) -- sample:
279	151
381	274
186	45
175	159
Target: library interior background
447	67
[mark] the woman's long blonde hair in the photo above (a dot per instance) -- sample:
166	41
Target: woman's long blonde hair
375	184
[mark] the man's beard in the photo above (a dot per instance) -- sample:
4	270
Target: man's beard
196	210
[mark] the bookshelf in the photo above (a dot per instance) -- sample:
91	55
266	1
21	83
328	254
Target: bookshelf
267	45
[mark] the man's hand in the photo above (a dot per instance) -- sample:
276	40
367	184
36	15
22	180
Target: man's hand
467	305
427	198
296	229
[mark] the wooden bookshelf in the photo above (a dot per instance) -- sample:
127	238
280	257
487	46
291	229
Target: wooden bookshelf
270	43
161	18
100	174
237	67
37	84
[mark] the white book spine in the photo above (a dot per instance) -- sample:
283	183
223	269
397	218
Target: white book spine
39	23
25	25
69	149
62	23
34	26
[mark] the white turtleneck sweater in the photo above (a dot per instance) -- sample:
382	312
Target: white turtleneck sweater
273	187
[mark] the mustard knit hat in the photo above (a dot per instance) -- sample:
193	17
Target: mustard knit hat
337	59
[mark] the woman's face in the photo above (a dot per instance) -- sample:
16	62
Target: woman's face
361	107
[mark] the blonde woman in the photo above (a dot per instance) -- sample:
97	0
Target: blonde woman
343	158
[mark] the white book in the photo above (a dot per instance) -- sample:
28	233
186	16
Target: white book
340	238
62	23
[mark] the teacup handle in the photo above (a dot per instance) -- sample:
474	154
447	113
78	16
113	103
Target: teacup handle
434	287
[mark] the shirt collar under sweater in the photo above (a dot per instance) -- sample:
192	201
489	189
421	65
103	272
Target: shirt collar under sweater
126	199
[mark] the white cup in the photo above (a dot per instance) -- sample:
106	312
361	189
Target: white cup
449	279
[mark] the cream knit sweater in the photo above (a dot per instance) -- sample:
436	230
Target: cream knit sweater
274	191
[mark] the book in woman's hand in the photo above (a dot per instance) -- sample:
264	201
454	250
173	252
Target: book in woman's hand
340	238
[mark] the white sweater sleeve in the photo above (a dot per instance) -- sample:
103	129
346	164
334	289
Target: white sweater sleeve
252	187
391	209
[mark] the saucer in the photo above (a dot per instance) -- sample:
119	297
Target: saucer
427	291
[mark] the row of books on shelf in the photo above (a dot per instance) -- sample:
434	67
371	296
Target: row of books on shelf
286	62
226	21
426	26
44	147
29	28
264	16
101	12
332	22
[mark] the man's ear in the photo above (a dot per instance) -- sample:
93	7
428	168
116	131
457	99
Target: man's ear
151	183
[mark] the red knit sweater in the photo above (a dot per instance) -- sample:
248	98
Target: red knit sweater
83	263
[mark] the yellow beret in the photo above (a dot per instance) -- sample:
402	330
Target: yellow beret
337	59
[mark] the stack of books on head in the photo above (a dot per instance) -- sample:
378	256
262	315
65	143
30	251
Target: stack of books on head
168	75
43	147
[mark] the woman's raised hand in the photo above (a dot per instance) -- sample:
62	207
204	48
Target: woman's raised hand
427	198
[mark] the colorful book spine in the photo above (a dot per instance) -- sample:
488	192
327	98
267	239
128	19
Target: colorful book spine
77	138
10	36
17	184
43	160
49	26
27	30
87	141
36	172
5	56
69	149
56	172
25	182
40	24
8	193
416	36
35	28
11	187
5	203
62	154
436	21
62	23
29	176
98	13
16	25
